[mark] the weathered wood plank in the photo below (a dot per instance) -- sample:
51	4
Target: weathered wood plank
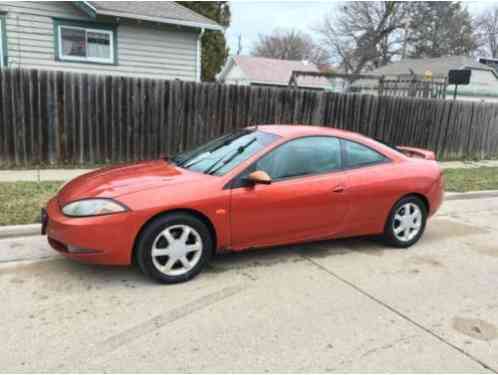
57	117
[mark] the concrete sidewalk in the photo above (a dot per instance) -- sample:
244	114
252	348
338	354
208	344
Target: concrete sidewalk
41	175
68	174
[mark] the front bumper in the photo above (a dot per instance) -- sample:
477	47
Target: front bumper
105	239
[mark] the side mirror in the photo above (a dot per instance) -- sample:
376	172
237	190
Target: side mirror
259	177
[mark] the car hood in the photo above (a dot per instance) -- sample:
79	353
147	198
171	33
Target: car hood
125	179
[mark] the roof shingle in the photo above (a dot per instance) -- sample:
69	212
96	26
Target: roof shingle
166	10
439	66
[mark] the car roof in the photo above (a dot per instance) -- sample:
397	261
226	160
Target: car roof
295	131
292	131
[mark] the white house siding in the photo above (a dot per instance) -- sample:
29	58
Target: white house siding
235	76
160	51
143	49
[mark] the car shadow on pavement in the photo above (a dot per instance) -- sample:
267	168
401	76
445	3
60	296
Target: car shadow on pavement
249	259
88	276
267	257
51	271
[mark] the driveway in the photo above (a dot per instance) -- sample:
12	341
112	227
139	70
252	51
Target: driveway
349	305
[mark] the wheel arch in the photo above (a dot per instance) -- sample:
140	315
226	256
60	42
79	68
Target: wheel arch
195	213
422	197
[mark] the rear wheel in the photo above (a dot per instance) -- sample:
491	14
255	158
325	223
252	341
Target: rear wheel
406	222
174	248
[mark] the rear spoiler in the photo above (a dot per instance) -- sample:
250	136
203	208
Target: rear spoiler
417	152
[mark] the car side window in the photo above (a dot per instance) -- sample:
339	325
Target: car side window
301	157
357	155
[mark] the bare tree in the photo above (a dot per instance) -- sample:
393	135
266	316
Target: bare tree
364	35
289	45
486	26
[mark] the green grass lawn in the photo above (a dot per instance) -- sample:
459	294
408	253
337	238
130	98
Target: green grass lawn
471	179
20	202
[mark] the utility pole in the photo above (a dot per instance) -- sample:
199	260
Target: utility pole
406	23
239	48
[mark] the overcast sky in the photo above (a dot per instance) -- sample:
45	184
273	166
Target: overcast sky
250	18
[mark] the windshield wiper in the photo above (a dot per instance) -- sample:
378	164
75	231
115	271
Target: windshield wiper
240	150
177	161
181	162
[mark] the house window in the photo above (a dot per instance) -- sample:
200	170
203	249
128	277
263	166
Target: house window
85	44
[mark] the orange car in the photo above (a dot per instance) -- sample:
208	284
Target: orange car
258	187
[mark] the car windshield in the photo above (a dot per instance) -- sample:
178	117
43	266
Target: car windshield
221	155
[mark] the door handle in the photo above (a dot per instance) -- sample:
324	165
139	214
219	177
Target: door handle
338	189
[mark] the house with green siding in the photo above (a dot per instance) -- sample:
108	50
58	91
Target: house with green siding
143	39
483	85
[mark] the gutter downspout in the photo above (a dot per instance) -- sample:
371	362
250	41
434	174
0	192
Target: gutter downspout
198	66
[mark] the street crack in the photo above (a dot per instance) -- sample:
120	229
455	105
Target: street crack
402	315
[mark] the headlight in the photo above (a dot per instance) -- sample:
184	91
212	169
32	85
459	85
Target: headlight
92	207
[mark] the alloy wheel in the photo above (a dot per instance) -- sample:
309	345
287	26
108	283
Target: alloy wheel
176	250
407	222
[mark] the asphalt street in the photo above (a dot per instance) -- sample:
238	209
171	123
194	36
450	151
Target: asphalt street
348	305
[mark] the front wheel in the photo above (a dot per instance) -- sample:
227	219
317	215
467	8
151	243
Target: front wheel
174	248
406	222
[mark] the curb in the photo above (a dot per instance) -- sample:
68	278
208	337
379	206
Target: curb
471	195
11	231
468	164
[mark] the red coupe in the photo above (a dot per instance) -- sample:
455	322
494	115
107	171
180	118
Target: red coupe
258	187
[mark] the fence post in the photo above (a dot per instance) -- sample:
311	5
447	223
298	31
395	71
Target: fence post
381	86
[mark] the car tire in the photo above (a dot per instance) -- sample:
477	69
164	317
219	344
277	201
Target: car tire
406	222
162	250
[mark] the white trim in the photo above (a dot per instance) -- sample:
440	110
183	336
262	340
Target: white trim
1	43
62	57
226	69
198	66
87	3
161	20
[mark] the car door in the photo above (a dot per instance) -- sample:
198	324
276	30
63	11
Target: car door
370	178
304	201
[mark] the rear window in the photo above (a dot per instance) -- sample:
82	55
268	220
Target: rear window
358	155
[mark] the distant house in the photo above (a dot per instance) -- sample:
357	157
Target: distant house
492	62
262	71
148	39
339	85
483	82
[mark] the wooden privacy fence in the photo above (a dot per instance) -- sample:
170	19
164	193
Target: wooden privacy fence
62	117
